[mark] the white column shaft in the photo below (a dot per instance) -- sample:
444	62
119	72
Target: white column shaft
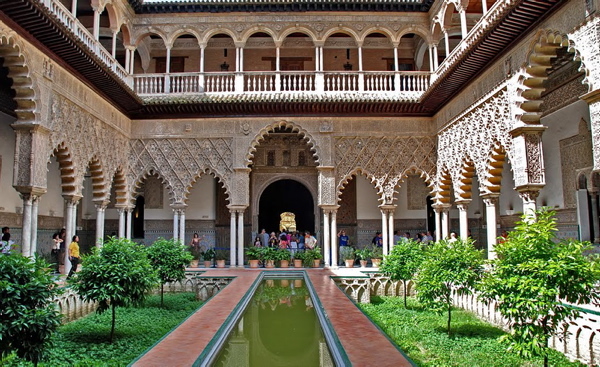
484	6
387	249
175	224
232	234
490	216
128	231
114	44
26	234
326	239
360	59
447	43
464	222
334	244
396	66
182	226
240	230
430	59
438	226
74	8
435	57
96	25
463	23
277	58
202	59
384	230
99	225
34	223
445	223
69	233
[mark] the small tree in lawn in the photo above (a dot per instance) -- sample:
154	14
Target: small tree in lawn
28	315
402	263
169	258
447	265
117	275
531	278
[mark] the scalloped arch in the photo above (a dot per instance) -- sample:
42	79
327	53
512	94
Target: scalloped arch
141	177
491	184
358	171
261	189
285	124
213	173
119	182
533	74
99	185
67	169
26	92
443	188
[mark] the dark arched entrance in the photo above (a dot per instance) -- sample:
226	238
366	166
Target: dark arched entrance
286	196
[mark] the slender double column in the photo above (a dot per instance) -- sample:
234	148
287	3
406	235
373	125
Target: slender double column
236	239
463	206
491	202
330	240
387	227
70	226
100	218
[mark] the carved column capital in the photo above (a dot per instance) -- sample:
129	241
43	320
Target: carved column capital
529	194
388	208
490	199
463	205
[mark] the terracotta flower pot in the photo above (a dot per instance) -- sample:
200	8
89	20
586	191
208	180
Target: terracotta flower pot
220	263
363	263
194	264
253	263
349	263
297	263
207	264
285	263
316	263
376	262
270	264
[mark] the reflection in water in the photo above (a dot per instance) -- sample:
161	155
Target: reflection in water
279	328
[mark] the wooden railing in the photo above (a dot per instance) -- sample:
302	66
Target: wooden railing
411	83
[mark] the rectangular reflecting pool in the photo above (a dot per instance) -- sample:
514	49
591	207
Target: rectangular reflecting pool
278	323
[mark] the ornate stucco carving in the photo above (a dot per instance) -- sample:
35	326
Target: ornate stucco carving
86	138
474	137
384	160
179	162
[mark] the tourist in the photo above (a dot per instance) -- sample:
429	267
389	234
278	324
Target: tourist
293	243
264	238
343	241
56	244
453	237
273	241
377	240
195	242
503	237
283	241
300	237
310	242
5	234
427	237
257	242
62	234
74	255
397	237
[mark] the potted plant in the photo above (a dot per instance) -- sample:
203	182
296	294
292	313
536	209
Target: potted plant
269	256
284	256
347	253
196	253
313	257
364	254
221	256
254	255
298	259
208	256
376	255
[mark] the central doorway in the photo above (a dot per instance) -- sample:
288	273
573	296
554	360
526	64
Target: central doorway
286	196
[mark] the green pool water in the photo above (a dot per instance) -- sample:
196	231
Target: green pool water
278	328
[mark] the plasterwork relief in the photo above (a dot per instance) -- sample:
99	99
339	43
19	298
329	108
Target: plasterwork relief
85	137
575	154
417	192
384	159
535	161
472	138
153	193
180	161
595	117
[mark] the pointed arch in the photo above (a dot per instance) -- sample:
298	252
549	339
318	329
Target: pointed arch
99	187
285	125
491	184
213	173
464	182
530	80
26	91
67	169
358	171
119	183
141	178
443	191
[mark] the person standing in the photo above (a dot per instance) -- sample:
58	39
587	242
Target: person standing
264	238
56	243
343	241
74	255
377	240
5	234
397	238
310	242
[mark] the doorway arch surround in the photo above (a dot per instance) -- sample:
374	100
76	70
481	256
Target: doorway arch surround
260	182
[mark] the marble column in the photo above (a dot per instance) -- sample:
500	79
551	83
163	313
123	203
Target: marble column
387	249
96	29
70	229
34	223
463	23
175	224
484	7
529	198
334	241
114	43
491	201
121	212
240	230
384	231
463	218
232	242
445	214
326	239
26	234
431	66
74	8
438	223
100	211
182	226
128	228
435	57
447	43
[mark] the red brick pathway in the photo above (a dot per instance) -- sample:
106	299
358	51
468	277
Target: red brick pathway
364	344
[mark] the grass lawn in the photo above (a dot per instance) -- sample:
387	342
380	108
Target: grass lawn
84	342
422	335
